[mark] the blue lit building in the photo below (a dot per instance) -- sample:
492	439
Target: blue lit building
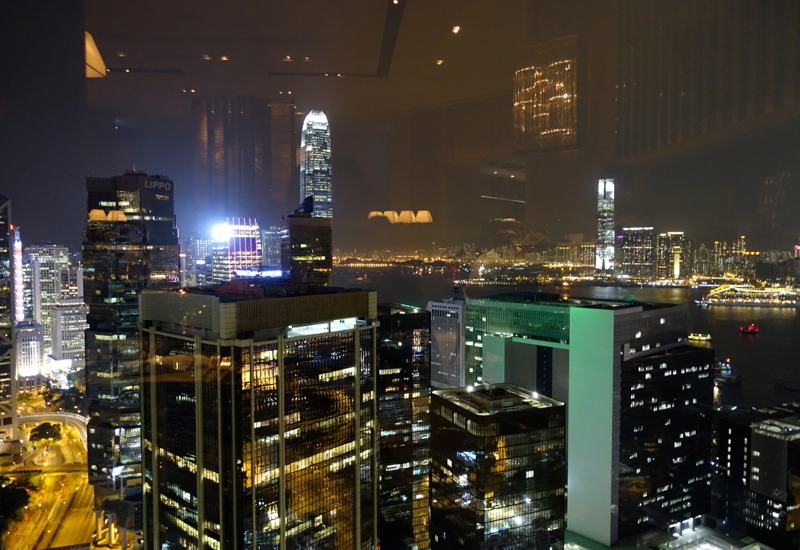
315	163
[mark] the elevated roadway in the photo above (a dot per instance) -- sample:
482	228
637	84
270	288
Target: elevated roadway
71	419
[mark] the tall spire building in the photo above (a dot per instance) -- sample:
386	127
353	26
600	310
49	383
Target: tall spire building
315	163
604	253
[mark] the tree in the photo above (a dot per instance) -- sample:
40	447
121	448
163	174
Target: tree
46	432
13	500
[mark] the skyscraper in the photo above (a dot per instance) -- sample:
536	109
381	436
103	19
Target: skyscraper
307	247
447	342
315	163
69	319
498	469
7	313
638	397
51	260
271	246
404	396
673	256
244	158
259	417
29	351
130	244
604	256
638	253
238	246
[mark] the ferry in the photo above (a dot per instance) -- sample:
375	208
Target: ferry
752	328
724	375
750	296
700	337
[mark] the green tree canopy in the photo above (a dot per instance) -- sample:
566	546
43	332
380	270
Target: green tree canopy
46	432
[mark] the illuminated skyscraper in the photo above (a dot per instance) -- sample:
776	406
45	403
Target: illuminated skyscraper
315	163
8	391
447	342
271	246
638	252
673	256
604	255
69	319
238	246
29	352
130	244
497	469
307	247
51	260
404	397
259	417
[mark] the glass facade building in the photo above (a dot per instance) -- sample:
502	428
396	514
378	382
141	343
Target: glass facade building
260	417
315	163
498	469
638	253
130	244
307	249
604	256
638	397
51	260
404	395
673	256
6	306
447	342
240	249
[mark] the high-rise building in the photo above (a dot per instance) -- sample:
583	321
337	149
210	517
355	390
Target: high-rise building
244	158
69	319
237	246
638	398
404	395
673	256
447	342
498	469
307	246
198	255
271	246
638	253
260	417
754	490
50	260
7	314
604	258
29	351
315	163
130	244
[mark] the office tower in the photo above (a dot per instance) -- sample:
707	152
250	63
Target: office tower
404	396
604	261
498	469
271	246
244	158
315	163
447	341
51	259
130	244
638	253
755	488
673	256
307	247
7	316
69	319
638	400
238	246
198	257
29	350
259	417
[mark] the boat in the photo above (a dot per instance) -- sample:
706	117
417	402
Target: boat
701	303
700	337
724	375
752	328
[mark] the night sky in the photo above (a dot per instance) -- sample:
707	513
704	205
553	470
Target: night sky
58	127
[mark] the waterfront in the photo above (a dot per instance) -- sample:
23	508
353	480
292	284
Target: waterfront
761	359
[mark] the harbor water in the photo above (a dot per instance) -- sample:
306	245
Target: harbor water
761	360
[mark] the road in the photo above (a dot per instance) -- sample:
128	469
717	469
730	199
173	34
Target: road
60	514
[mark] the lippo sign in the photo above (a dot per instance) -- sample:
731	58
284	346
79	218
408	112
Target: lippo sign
158	185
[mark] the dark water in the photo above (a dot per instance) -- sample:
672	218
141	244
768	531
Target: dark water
761	360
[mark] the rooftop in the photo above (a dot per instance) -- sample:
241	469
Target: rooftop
557	300
239	290
497	399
